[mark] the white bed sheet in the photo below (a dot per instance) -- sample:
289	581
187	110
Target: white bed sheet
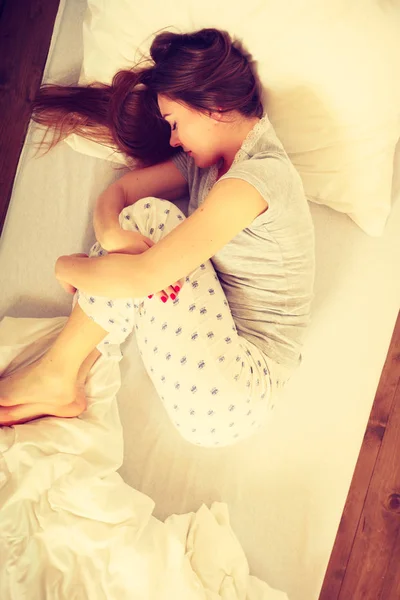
285	487
71	528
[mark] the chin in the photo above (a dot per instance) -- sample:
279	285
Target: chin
203	163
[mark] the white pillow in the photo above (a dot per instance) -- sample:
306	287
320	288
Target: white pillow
330	69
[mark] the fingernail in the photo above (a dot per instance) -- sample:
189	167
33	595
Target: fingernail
151	295
176	288
172	296
164	298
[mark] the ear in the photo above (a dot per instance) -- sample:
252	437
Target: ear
217	115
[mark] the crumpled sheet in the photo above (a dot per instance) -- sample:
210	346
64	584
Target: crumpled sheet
71	528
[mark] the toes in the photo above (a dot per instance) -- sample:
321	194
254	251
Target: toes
23	413
20	413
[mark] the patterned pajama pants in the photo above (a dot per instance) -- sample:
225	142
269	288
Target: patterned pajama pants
214	384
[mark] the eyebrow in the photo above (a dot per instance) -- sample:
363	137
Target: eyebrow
166	115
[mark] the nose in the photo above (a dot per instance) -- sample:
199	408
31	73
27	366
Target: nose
174	140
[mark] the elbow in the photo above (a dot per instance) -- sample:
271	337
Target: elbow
60	268
69	268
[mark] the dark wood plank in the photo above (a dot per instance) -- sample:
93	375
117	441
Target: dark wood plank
391	589
25	34
362	564
379	526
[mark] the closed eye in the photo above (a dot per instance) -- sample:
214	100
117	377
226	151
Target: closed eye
174	127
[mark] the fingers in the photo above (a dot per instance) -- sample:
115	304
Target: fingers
178	285
171	292
164	295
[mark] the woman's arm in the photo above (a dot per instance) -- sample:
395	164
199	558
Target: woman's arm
163	181
230	207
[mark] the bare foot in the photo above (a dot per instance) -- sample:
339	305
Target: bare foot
34	384
22	413
34	391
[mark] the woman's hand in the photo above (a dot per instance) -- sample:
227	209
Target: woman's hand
135	243
171	291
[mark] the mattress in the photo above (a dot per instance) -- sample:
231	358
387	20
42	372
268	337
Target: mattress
286	486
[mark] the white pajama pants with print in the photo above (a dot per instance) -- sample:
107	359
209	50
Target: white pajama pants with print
215	385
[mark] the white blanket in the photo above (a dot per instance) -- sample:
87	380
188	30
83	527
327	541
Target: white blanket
70	528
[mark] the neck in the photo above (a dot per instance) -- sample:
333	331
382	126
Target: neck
235	138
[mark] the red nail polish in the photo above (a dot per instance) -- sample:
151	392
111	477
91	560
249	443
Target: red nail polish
172	296
151	295
164	299
176	288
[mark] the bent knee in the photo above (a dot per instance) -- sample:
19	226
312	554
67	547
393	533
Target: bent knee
152	217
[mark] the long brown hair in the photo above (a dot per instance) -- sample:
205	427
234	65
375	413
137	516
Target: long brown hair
206	70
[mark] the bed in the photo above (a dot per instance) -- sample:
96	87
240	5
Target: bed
287	486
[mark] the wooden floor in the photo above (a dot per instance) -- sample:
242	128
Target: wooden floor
25	34
365	561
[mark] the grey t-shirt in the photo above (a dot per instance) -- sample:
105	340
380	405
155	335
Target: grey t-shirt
267	270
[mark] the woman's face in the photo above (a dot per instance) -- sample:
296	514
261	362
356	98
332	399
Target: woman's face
195	132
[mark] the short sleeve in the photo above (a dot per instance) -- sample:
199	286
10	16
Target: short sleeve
180	160
272	176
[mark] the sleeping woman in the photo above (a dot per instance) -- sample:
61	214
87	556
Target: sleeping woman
219	301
